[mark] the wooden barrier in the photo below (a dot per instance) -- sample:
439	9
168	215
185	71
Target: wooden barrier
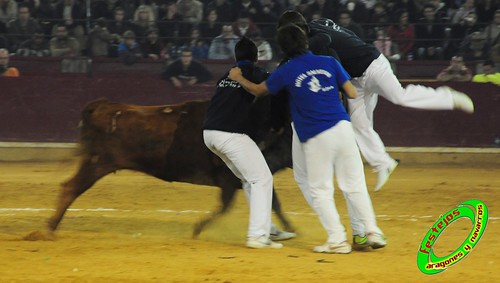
44	105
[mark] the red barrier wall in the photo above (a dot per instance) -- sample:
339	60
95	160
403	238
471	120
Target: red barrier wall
44	105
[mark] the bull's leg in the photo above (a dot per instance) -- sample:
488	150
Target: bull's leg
279	213
87	175
227	196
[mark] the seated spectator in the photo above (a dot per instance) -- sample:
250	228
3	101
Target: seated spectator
212	27
171	27
100	39
266	21
243	25
8	10
104	8
403	34
72	14
345	21
359	12
117	27
475	48
152	47
186	71
252	7
488	74
264	49
440	8
386	46
492	30
37	46
198	46
412	8
222	47
271	10
429	34
456	72
5	70
459	32
486	10
223	8
377	19
63	45
149	5
43	12
144	20
22	28
191	10
463	12
129	49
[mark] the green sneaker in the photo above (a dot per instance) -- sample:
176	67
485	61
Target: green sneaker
360	243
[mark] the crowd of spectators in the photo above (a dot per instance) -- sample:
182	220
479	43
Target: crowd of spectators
161	29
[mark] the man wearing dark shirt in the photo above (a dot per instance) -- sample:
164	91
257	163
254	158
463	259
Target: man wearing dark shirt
227	133
186	71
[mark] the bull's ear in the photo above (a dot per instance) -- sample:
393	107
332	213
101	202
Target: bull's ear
167	110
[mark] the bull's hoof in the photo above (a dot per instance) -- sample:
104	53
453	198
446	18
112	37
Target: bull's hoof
40	236
196	231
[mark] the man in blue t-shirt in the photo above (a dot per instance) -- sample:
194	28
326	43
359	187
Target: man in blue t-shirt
319	118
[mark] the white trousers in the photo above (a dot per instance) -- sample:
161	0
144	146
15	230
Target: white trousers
379	79
316	162
243	157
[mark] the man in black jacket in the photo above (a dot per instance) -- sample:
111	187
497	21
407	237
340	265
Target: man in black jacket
227	132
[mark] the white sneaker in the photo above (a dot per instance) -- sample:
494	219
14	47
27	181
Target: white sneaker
262	242
279	235
376	240
342	248
383	175
461	101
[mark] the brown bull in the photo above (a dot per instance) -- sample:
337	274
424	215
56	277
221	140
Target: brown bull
162	141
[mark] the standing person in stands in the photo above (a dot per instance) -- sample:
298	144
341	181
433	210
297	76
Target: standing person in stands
5	70
372	76
323	135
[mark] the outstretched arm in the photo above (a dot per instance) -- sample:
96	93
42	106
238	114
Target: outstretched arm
255	89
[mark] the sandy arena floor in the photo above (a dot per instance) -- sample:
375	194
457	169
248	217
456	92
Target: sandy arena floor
133	228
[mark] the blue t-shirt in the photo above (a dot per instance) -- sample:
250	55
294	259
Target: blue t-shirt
313	83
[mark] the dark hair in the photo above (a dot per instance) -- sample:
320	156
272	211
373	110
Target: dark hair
293	17
245	49
292	40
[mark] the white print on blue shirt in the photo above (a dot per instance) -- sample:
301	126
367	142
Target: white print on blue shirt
314	84
228	83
